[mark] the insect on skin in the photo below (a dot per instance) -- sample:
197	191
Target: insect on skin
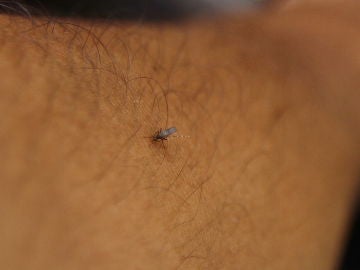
162	135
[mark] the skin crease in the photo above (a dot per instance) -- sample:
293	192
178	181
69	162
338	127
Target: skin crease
264	176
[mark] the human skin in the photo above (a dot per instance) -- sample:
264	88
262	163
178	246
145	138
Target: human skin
262	175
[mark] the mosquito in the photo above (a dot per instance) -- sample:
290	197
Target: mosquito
162	135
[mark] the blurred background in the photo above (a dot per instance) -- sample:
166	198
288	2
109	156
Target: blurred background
131	9
167	10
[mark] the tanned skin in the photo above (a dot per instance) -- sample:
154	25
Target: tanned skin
264	175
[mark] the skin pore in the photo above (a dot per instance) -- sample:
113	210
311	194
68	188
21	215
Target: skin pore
263	174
